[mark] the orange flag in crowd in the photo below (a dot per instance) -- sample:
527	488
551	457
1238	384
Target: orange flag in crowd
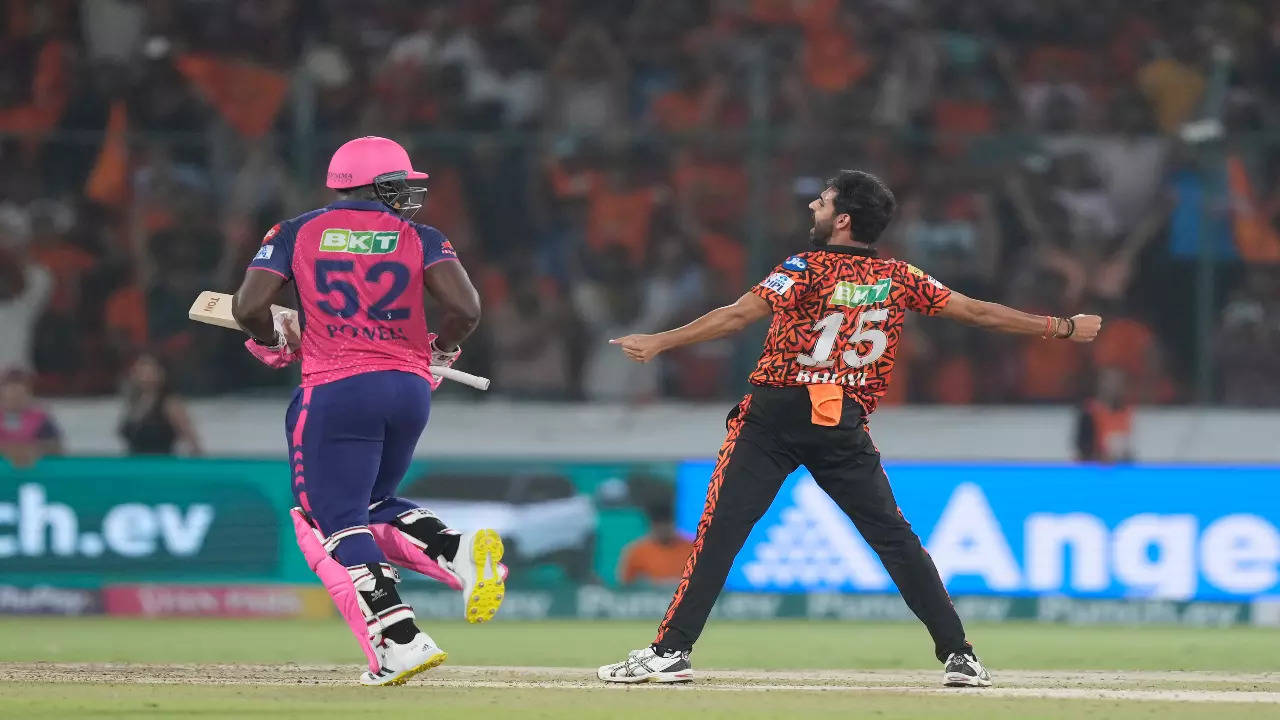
248	96
108	183
1256	239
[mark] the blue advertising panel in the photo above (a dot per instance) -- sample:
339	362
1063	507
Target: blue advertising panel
1179	533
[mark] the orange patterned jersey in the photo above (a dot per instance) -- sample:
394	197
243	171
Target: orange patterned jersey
837	318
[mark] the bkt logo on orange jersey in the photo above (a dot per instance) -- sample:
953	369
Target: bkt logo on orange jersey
359	242
851	295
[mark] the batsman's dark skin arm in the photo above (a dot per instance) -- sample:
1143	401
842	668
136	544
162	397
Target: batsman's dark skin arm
251	305
450	285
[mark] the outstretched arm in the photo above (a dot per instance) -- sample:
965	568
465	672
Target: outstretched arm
718	323
994	316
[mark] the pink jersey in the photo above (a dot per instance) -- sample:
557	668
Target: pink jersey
358	269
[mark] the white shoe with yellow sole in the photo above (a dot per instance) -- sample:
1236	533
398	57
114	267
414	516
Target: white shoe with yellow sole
478	566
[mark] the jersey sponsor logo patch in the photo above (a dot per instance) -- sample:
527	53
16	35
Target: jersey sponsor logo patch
271	233
446	248
851	295
778	283
359	242
915	270
264	252
795	263
935	283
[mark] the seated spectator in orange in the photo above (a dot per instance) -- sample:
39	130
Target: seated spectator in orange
832	62
726	256
960	113
1130	346
448	207
1104	426
27	432
692	104
126	320
620	213
953	380
1050	372
710	183
45	97
659	557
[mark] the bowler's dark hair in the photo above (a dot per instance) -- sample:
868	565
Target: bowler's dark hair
868	202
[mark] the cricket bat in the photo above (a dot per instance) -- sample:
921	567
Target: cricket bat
214	308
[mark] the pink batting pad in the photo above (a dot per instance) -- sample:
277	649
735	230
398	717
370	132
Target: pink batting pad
400	551
337	581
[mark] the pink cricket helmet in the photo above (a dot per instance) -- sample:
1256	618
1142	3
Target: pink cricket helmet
363	160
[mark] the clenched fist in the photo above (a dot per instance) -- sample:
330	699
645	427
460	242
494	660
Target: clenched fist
641	348
1087	327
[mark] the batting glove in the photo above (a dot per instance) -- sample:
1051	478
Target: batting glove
441	358
280	354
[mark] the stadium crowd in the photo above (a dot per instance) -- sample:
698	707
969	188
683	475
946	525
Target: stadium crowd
613	166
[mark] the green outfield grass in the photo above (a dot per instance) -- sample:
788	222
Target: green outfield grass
779	645
95	701
792	644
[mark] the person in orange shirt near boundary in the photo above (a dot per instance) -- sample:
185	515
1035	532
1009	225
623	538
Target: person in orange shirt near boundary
658	557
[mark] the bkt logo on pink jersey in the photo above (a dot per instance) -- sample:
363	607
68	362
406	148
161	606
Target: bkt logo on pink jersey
359	242
358	270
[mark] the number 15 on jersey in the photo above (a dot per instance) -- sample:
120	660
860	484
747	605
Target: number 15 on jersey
863	331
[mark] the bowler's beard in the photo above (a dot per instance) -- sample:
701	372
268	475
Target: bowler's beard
820	233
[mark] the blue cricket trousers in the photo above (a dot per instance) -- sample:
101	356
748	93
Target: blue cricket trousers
350	444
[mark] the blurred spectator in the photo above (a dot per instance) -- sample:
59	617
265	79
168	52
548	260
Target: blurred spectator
1046	371
830	55
1130	161
621	210
155	419
618	304
113	29
1247	346
659	557
587	83
529	329
25	288
710	185
693	103
1104	424
1053	103
1172	84
125	317
1130	346
27	432
149	144
953	234
510	83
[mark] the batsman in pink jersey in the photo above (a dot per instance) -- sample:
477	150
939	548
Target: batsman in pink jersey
360	269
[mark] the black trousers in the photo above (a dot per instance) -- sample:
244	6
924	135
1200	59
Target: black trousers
771	433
